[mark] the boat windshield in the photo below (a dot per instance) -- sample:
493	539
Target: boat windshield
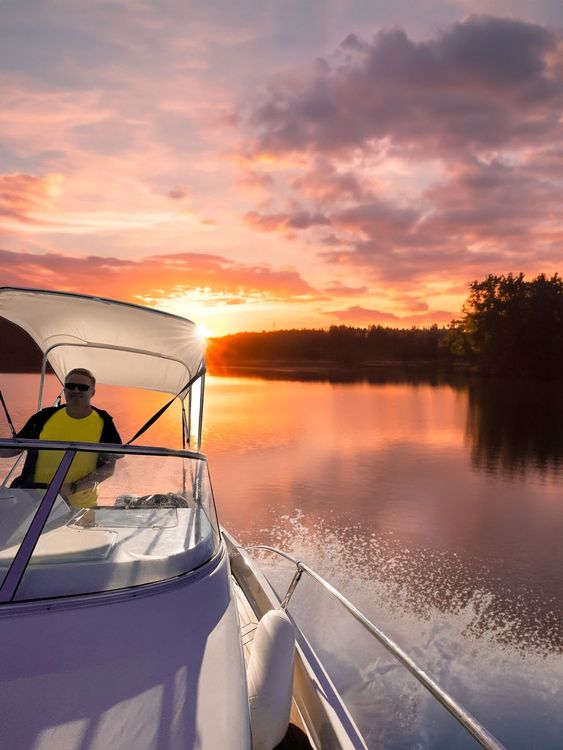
138	516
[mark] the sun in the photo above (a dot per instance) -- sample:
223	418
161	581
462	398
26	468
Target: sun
203	331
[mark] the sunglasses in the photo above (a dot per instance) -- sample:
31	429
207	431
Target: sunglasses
77	387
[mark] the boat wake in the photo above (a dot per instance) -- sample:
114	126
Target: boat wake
495	648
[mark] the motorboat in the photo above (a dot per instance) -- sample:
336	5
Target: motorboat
140	623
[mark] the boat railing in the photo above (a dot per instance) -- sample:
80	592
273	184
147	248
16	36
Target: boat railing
465	719
112	448
23	444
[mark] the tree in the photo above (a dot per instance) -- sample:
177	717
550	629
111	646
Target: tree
511	324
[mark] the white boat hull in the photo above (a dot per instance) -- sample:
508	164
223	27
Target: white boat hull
160	669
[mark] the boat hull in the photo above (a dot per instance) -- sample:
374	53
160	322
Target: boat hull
141	670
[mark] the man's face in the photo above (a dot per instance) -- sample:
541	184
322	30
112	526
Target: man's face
80	390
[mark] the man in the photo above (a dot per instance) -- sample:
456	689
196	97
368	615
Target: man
76	420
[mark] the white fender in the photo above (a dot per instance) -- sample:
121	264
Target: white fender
270	679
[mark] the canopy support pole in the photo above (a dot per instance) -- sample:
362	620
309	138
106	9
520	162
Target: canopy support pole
201	399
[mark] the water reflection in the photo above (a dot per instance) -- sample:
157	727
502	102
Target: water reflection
376	374
515	426
512	425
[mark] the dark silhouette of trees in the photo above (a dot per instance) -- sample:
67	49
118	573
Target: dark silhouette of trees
509	324
343	346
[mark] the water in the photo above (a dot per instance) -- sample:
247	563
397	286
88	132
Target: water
436	507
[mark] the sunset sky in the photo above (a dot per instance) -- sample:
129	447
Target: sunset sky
265	164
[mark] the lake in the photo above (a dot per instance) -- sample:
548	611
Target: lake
433	503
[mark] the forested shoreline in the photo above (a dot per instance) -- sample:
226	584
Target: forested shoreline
508	325
343	346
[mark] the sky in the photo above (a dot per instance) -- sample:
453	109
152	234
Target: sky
271	164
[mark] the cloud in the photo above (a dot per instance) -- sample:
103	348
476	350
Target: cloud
484	214
280	221
408	302
479	84
23	194
154	277
252	178
378	220
178	192
413	160
358	315
337	289
493	199
326	184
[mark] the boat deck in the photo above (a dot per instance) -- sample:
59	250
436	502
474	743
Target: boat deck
248	621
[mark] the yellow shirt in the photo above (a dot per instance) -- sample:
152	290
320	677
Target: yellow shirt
63	427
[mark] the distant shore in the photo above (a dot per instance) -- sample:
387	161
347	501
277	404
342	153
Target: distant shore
323	366
372	372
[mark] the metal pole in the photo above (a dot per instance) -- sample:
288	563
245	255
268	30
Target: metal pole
42	380
292	586
7	413
189	425
201	399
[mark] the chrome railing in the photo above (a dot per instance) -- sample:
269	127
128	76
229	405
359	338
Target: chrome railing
469	722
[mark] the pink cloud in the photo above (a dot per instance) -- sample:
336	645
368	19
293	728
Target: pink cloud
325	184
23	194
411	303
152	276
491	216
337	289
358	315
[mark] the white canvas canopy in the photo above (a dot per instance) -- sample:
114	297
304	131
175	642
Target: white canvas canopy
121	344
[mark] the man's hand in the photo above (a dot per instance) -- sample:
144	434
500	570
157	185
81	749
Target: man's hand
87	483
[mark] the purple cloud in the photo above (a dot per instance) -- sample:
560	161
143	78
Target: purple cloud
482	100
147	277
284	221
480	83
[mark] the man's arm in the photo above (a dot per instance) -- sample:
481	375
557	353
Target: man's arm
103	471
30	431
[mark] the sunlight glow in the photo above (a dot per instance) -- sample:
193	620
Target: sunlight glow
203	331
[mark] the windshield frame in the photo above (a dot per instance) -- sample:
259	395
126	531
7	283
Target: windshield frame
18	566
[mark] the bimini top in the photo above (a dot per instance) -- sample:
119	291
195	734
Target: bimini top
122	344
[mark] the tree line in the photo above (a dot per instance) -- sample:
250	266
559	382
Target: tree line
508	325
340	345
